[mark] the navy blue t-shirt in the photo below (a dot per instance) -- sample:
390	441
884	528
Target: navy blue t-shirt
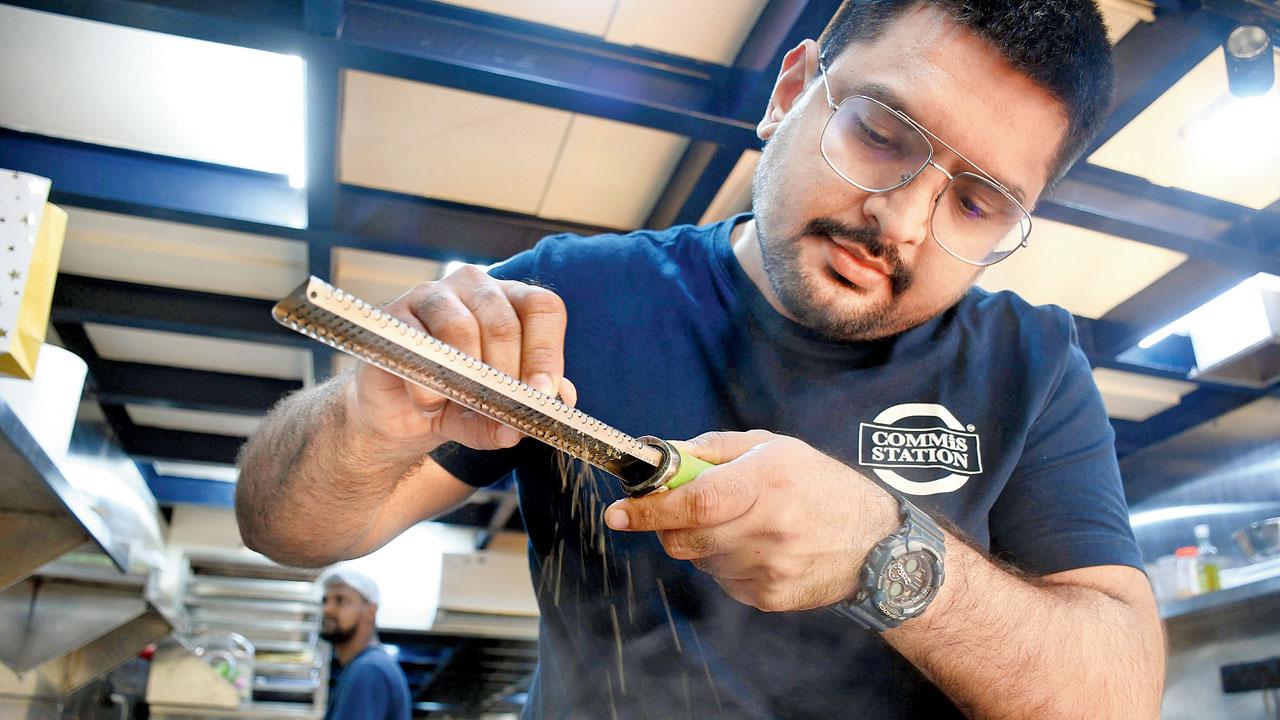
986	414
370	687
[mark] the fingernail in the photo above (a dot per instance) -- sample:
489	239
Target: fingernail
544	383
616	518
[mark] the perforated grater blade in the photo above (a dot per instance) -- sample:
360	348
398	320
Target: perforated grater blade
347	323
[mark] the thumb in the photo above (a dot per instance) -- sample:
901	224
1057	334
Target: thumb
718	448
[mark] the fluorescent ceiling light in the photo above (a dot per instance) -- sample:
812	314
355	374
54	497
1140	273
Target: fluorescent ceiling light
1177	327
1243	133
1232	316
155	93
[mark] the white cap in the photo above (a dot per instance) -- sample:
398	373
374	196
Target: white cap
353	579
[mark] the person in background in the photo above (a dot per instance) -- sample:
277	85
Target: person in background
371	685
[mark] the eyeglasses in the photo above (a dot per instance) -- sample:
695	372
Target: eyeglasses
878	149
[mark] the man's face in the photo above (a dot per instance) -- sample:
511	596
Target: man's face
855	265
344	609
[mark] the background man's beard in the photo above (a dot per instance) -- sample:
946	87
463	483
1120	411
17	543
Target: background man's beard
798	292
337	635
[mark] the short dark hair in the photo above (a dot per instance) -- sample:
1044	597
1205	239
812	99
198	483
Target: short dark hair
1060	44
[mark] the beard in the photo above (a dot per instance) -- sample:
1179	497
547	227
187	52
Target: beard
338	635
840	313
802	295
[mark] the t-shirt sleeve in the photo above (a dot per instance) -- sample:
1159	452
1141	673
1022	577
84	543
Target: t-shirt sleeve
481	468
1064	505
365	694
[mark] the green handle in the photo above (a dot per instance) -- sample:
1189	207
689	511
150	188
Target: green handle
690	468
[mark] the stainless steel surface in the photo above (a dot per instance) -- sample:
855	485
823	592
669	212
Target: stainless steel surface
41	514
1200	643
1260	540
33	539
1220	600
72	621
208	588
59	617
258	711
342	321
1222	473
55	679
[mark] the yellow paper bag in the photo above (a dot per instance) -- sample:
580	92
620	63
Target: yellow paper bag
31	233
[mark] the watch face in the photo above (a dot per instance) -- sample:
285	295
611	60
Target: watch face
908	580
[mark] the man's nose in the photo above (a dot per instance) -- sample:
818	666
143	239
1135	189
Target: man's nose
903	215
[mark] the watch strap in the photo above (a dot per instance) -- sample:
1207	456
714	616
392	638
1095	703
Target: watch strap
919	532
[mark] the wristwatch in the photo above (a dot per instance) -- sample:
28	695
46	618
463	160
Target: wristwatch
902	573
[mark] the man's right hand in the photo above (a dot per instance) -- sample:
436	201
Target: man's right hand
515	327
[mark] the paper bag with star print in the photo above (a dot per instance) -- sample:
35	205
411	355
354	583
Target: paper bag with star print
31	233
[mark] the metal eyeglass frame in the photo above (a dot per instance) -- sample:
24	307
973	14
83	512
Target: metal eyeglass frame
929	137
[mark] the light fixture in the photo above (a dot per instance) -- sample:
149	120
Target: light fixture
1251	66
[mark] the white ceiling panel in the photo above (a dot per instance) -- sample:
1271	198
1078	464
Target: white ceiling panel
147	91
378	277
734	196
1083	271
710	30
611	173
153	252
1129	396
590	17
200	353
442	143
194	420
1200	138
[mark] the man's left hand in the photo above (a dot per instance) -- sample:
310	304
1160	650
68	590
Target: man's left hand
779	525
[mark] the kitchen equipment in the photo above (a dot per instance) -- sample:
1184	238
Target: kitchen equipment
343	321
1260	540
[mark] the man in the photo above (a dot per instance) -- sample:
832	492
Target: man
371	685
902	151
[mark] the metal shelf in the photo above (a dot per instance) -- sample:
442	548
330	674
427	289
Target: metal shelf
248	711
1219	600
42	517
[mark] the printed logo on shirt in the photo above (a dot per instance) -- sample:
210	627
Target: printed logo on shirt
902	438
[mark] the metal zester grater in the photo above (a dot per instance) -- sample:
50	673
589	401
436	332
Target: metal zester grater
347	323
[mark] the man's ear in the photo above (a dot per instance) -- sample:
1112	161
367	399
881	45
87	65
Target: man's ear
799	65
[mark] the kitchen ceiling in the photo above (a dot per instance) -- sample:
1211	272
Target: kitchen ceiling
486	156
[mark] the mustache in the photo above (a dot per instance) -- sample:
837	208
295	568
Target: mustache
900	276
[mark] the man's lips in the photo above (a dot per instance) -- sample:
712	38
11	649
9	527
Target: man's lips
854	264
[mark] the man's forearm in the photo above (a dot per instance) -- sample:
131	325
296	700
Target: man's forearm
310	482
1004	646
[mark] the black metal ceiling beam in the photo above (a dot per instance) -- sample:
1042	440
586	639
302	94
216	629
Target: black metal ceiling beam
437	44
398	223
81	299
1130	207
121	383
142	441
163	444
1151	57
1173	295
1199	406
175	190
705	165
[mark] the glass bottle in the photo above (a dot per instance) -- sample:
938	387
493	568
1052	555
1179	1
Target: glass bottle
1209	562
